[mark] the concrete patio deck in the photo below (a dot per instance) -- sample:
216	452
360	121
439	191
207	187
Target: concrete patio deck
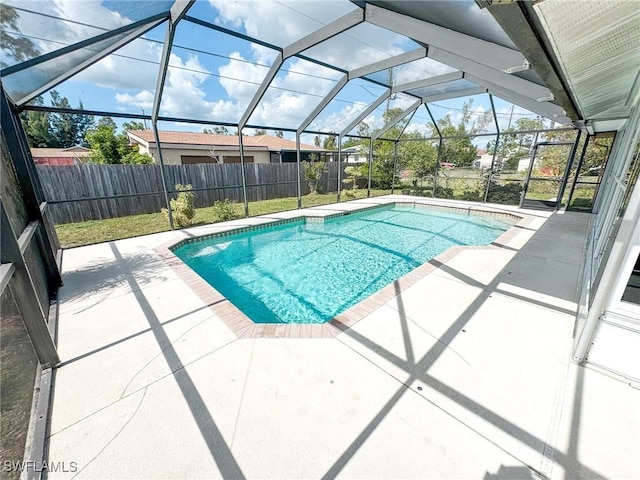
463	374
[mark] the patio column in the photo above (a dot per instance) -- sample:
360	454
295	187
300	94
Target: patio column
242	173
298	169
578	168
339	167
370	166
567	170
435	173
163	174
495	150
493	161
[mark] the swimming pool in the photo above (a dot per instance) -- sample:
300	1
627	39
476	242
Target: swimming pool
310	270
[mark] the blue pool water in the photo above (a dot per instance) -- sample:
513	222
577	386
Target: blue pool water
309	272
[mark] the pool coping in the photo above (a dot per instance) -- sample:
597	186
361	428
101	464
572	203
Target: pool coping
243	327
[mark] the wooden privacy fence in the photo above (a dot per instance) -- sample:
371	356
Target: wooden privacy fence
134	189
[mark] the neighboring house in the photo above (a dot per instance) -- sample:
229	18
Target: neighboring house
59	156
523	163
184	148
355	154
483	159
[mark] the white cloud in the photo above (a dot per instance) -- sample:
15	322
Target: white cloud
183	95
280	23
143	99
60	31
120	70
274	23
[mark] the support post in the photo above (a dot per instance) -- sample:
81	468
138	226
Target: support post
163	174
527	179
339	167
298	155
495	150
437	169
435	176
242	173
493	161
567	170
32	193
370	166
578	168
25	294
395	163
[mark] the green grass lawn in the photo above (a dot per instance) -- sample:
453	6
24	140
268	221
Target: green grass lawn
96	231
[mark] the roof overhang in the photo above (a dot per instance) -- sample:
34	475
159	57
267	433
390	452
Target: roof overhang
587	53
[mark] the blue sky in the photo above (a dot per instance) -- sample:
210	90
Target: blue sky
213	76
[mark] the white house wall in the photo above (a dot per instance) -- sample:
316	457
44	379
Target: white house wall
172	155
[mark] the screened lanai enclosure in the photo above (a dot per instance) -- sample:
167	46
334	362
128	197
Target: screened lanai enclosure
111	110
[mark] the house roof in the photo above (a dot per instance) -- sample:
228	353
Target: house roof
72	152
190	138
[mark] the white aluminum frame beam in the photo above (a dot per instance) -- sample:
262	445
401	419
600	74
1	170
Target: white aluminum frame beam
178	11
387	63
360	72
377	102
395	121
467	92
545	109
427	82
479	70
494	55
262	89
328	31
325	101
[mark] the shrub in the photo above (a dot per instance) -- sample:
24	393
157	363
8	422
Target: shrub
135	158
471	195
444	192
183	207
353	174
225	210
312	172
351	193
507	194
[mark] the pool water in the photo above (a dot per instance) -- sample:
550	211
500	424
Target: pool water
311	271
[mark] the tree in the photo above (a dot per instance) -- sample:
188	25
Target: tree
312	172
107	147
419	156
69	129
132	126
279	134
459	150
37	126
107	122
218	129
329	143
64	130
525	124
513	144
18	48
259	131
